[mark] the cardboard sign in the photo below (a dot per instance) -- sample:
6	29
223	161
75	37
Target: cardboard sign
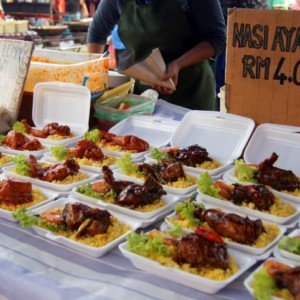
15	58
263	65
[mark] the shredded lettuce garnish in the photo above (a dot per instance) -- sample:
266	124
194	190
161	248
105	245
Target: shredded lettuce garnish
2	139
176	230
186	209
264	286
87	190
60	152
160	155
290	244
19	127
207	187
245	173
127	166
142	244
22	166
93	135
28	219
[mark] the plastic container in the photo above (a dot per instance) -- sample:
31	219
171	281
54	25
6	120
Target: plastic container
64	103
108	112
54	65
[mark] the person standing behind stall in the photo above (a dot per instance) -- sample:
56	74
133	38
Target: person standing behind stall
187	32
219	64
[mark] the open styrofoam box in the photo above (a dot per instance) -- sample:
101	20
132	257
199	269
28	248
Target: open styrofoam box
64	103
281	139
223	135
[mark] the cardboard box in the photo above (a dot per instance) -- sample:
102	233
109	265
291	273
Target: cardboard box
263	65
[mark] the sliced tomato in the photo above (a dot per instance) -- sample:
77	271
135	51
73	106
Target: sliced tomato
53	216
124	106
225	189
209	235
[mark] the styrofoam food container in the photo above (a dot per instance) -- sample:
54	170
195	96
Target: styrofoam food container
26	153
281	139
171	201
50	196
231	176
249	279
156	131
6	164
251	212
8	171
64	103
188	191
280	253
88	250
258	253
225	164
188	279
98	170
223	135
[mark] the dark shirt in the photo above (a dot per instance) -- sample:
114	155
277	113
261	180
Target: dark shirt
205	18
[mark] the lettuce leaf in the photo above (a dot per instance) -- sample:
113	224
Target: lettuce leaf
245	173
141	244
28	219
2	139
186	209
207	187
19	127
22	166
60	152
87	190
160	155
93	135
290	244
264	286
127	166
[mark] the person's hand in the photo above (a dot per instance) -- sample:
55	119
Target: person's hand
172	73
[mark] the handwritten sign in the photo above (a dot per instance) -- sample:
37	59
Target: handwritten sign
263	65
15	58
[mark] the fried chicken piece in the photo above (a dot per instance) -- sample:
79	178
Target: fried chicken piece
199	252
276	178
15	191
88	149
18	141
230	225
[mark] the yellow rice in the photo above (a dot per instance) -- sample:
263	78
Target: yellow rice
108	161
209	165
115	230
5	159
210	273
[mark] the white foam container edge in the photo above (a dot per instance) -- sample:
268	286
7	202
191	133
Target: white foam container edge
61	102
281	139
223	135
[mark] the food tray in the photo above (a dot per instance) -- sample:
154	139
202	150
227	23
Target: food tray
156	131
279	253
63	188
284	221
223	135
231	176
64	103
281	139
26	153
249	279
85	249
6	164
194	281
257	253
50	196
215	172
188	192
171	202
98	170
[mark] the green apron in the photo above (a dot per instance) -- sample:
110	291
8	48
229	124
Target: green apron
162	24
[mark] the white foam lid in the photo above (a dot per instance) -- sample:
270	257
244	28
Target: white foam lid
223	135
281	139
61	102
